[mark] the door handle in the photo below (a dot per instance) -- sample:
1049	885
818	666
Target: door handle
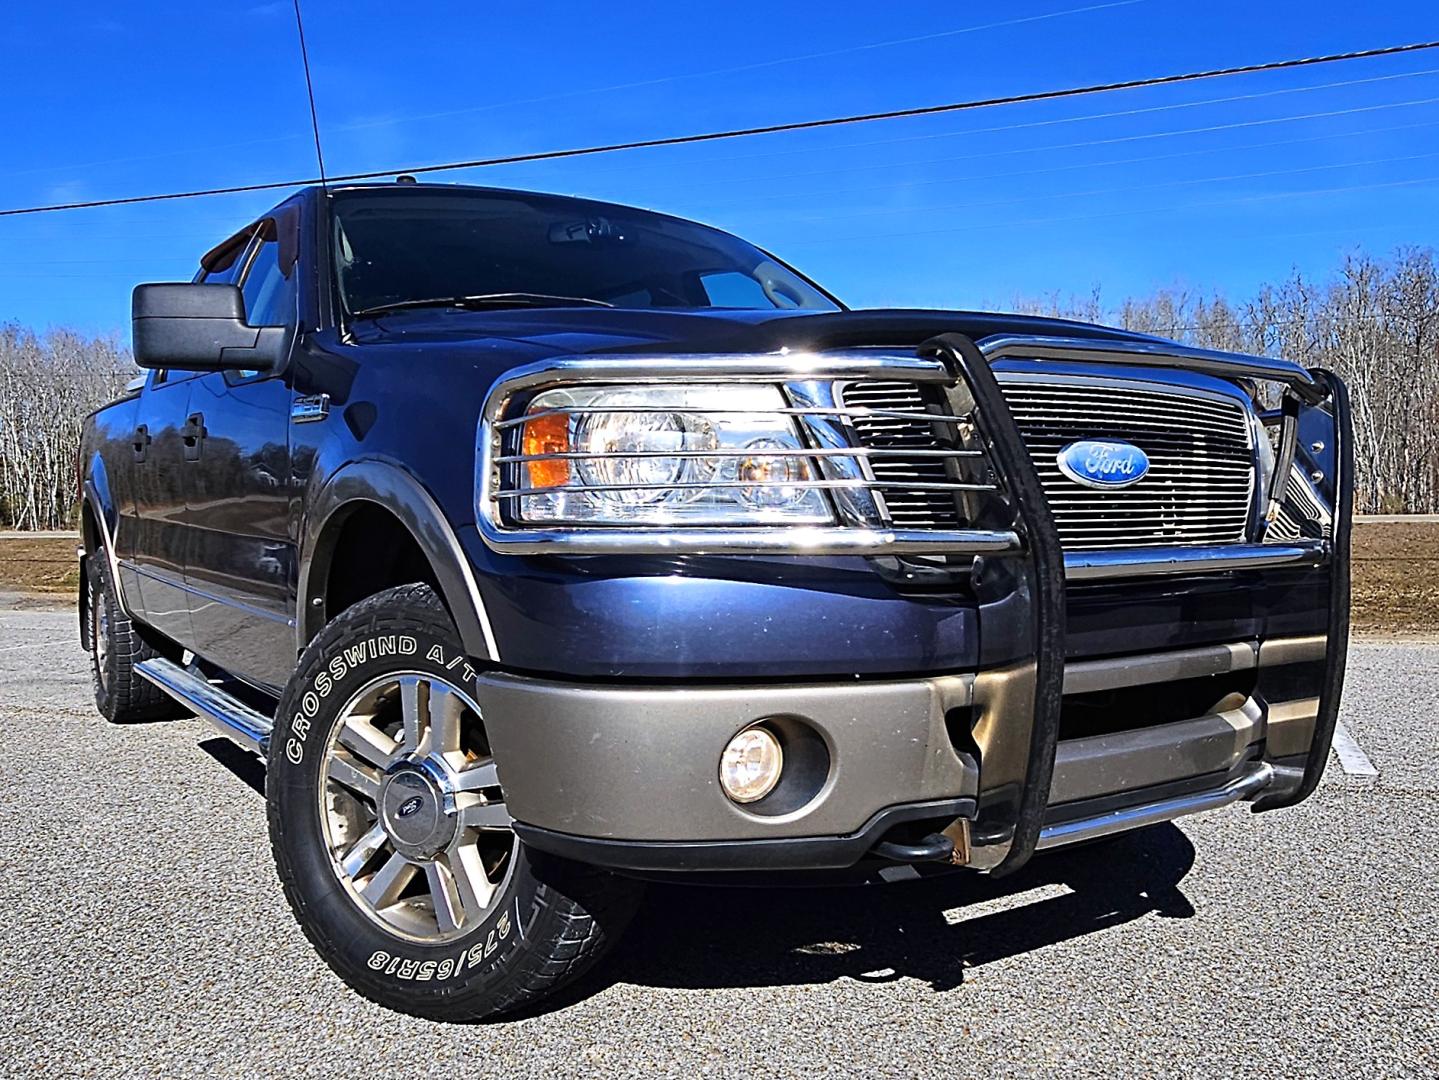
140	441
192	435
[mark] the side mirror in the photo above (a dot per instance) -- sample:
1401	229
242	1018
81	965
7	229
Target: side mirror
197	327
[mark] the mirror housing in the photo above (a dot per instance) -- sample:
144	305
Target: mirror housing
199	327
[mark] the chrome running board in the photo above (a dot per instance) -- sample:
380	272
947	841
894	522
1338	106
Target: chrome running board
1246	786
238	722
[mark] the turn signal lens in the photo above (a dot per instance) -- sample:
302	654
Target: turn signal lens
750	765
548	434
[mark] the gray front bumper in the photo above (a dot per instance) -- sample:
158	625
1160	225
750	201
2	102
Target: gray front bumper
628	776
642	763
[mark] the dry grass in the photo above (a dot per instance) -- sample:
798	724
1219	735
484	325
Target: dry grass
1396	574
38	565
1396	578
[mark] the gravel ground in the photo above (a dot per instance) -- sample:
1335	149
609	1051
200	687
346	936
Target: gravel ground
147	934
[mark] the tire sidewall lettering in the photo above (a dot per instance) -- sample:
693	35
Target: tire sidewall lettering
462	960
350	662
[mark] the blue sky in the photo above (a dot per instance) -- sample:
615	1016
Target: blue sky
1213	186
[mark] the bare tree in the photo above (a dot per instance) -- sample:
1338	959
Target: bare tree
1376	323
47	386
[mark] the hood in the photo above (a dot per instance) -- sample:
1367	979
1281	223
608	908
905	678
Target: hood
569	331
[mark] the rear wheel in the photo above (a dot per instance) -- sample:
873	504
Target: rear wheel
391	834
116	647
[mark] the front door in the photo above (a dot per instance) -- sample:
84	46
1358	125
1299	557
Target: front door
241	569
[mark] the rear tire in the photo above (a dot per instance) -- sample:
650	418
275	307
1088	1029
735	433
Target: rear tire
390	834
116	647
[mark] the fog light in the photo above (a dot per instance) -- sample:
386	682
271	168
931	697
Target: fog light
750	765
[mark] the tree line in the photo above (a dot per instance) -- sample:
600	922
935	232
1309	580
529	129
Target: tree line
48	383
1374	320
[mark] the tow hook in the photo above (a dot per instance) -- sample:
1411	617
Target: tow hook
951	845
933	848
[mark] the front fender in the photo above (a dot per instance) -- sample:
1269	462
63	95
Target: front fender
379	481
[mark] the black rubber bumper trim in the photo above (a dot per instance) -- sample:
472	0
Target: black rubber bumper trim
1336	650
1046	562
788	853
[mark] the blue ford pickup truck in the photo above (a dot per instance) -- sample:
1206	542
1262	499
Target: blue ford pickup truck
540	546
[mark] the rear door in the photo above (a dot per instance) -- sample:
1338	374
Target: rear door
241	565
155	547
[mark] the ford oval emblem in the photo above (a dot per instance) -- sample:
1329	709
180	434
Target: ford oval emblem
1101	463
409	806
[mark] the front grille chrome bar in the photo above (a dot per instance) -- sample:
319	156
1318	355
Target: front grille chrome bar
577	410
1140	353
757	540
710	485
1208	559
767	452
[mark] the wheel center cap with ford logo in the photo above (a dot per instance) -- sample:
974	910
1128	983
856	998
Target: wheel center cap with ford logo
1103	463
412	811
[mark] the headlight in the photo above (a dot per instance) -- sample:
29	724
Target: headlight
649	475
665	455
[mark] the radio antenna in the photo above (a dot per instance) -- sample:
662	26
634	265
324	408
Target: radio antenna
310	89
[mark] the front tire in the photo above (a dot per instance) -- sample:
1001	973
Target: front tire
390	834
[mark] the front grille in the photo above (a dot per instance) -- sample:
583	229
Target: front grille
908	508
1201	474
1198	489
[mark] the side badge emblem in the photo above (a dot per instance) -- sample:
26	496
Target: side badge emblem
308	409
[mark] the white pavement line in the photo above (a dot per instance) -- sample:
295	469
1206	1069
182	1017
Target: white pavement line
1352	758
36	645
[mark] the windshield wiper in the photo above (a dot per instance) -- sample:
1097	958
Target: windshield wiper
483	302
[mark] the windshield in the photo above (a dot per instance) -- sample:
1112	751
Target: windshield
419	245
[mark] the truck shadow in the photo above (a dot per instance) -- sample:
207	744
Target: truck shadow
245	767
934	929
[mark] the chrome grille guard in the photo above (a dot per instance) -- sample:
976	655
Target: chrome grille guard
845	468
1017	696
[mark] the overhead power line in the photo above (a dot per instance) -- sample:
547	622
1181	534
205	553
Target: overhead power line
391	119
757	65
985	204
766	129
1054	121
1036	148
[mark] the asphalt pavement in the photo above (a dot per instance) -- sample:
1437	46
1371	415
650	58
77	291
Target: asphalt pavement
145	933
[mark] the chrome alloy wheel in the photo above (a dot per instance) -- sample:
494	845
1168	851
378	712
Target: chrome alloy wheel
411	807
100	635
